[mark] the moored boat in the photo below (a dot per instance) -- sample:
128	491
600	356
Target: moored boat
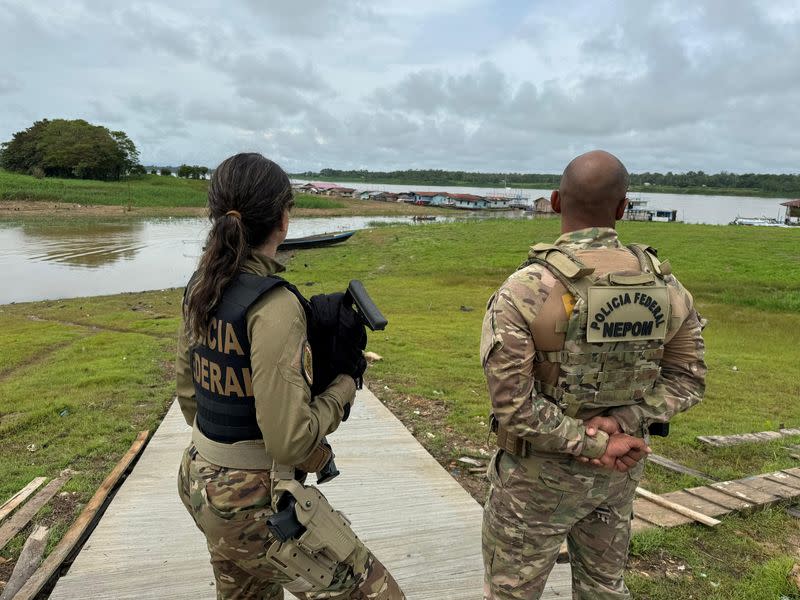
316	241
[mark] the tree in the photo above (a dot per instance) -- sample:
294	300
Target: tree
166	172
71	148
184	171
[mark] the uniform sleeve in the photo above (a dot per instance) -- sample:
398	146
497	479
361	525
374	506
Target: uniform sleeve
183	376
682	381
291	424
507	352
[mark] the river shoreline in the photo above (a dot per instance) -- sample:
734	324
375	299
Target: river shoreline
23	209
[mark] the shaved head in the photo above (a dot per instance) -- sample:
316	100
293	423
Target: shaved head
591	190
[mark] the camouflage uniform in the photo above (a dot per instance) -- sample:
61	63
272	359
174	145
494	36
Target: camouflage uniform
538	500
231	505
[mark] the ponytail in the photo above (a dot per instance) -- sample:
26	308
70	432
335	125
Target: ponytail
246	200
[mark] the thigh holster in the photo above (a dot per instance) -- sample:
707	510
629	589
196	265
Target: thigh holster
316	540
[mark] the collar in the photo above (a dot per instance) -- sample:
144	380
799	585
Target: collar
261	264
591	237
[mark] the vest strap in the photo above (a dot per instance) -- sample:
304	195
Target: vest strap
597	357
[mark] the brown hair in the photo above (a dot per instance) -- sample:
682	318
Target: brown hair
247	196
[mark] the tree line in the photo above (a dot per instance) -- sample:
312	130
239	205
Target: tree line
784	184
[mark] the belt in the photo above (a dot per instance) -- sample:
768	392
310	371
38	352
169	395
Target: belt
248	454
251	454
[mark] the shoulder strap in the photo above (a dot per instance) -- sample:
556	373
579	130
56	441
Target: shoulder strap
559	259
649	261
247	288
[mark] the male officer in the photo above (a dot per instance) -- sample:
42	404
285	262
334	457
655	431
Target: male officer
584	347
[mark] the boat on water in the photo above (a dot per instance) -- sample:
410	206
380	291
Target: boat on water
316	241
758	222
423	218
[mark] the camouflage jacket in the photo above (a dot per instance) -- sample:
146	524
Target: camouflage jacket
520	319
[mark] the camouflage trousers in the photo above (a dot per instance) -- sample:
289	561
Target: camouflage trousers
230	507
534	504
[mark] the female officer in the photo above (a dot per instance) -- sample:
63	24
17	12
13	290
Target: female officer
244	376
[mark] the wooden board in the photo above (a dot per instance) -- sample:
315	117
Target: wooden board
657	515
677	508
52	563
731	502
746	493
696	503
28	561
720	441
24	515
676	467
9	505
762	484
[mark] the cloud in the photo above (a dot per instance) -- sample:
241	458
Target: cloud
462	84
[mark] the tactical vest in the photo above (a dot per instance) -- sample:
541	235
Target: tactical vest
221	369
614	338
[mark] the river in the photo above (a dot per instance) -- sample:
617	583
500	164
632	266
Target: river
713	210
41	261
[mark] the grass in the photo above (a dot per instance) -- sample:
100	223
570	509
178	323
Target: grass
105	361
153	195
78	381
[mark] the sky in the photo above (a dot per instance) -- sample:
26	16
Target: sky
504	86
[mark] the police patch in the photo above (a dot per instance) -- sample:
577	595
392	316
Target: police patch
307	364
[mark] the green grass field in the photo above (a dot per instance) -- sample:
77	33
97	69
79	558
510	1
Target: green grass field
143	191
79	378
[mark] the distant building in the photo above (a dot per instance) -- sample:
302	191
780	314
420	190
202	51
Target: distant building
338	191
317	187
430	198
542	205
498	202
466	201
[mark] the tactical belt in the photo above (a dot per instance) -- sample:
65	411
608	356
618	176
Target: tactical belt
250	454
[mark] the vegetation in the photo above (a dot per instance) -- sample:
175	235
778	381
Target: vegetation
71	149
105	361
154	195
693	182
190	172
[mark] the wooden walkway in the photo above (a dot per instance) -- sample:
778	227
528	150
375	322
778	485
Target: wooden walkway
413	515
721	498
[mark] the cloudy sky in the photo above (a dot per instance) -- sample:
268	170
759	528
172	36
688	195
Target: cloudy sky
454	84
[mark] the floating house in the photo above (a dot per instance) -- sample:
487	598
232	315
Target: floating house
317	187
792	216
338	191
498	202
465	201
430	198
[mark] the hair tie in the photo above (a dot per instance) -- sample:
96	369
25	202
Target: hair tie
234	213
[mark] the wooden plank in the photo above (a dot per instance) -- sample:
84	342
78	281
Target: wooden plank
701	505
23	516
746	493
760	483
678	508
9	505
656	515
720	441
81	524
783	479
676	467
730	502
28	561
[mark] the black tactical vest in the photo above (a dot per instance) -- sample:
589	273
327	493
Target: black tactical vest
221	369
